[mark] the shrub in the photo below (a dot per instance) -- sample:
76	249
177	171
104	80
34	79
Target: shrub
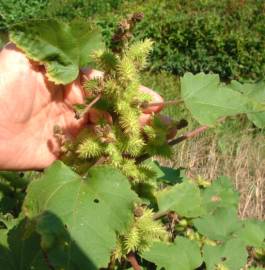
225	37
13	11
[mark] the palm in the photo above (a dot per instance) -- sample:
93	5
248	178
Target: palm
30	107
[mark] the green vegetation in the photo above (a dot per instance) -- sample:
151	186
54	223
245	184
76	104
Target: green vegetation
112	206
225	37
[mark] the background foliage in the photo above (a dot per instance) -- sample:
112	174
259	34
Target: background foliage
225	37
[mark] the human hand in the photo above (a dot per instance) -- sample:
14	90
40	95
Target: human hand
30	107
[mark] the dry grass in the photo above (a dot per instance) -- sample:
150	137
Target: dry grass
232	152
242	159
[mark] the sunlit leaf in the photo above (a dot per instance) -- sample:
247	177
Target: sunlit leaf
255	91
232	254
183	254
219	225
208	100
78	217
62	48
220	194
185	199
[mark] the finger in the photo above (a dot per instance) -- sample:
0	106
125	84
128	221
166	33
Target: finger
156	98
89	74
145	119
74	93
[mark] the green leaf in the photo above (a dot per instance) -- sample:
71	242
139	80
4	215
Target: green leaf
78	218
8	221
252	234
166	174
183	254
184	199
62	48
254	91
6	261
220	193
208	100
20	252
172	175
231	254
219	225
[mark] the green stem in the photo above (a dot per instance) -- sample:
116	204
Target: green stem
159	215
146	105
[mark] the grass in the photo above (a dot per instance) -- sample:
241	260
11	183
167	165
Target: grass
235	149
243	161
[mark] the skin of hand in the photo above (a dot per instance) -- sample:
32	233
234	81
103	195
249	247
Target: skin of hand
30	107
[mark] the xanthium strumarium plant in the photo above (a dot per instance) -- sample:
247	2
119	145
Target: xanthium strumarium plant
109	204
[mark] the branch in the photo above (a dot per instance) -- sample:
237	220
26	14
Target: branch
159	215
164	103
89	106
133	261
188	135
192	134
93	102
100	161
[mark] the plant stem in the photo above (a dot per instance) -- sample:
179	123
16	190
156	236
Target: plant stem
100	161
133	261
111	265
163	104
93	102
189	135
159	215
89	106
46	259
192	134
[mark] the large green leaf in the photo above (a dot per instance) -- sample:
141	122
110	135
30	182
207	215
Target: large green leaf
220	194
255	91
183	254
208	100
78	218
232	254
185	199
252	233
62	48
219	225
